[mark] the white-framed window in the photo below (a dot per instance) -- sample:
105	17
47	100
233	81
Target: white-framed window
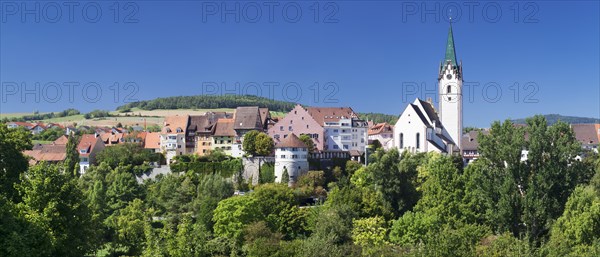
282	156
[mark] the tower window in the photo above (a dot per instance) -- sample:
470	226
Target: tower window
449	89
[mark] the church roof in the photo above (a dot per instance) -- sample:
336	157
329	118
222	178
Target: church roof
450	51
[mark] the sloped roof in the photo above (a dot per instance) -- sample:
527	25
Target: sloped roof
585	133
380	128
88	142
63	140
224	127
152	140
264	114
247	117
21	123
450	50
49	153
172	123
205	122
430	111
291	141
330	114
469	140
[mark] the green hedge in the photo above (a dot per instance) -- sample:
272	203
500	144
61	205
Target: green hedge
226	168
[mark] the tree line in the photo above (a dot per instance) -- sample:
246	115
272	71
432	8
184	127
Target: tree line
210	102
401	204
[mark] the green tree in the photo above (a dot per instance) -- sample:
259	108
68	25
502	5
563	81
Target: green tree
233	214
20	236
249	142
260	241
190	240
128	225
267	173
308	142
52	201
352	166
264	144
370	234
72	159
394	179
12	161
211	189
285	176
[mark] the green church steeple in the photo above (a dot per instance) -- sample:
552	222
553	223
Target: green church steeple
450	51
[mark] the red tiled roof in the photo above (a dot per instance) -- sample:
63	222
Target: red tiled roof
586	133
379	128
88	142
63	140
152	140
49	153
330	114
291	141
224	127
174	123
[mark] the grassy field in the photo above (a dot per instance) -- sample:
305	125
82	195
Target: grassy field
35	142
153	117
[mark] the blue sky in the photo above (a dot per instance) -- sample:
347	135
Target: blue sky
363	54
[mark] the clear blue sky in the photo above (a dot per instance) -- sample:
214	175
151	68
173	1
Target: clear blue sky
368	49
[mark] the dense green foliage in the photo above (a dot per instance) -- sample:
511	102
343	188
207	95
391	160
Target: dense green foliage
38	116
401	204
554	118
50	134
210	102
379	117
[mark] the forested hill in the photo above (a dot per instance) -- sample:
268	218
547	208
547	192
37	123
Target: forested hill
553	118
210	102
231	101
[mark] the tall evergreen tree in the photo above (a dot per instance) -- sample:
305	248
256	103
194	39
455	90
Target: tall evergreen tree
72	159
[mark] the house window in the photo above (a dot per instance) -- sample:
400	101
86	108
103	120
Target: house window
335	147
294	156
306	126
401	140
291	121
283	156
335	130
418	140
276	136
449	89
294	149
345	147
280	128
290	128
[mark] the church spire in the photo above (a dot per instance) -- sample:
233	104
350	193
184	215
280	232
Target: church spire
450	52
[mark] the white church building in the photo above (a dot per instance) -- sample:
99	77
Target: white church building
420	127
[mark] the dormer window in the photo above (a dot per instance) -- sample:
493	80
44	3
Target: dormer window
168	130
179	130
83	151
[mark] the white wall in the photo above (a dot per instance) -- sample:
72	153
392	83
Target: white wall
450	104
342	136
295	166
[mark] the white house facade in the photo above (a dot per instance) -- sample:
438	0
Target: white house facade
291	154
